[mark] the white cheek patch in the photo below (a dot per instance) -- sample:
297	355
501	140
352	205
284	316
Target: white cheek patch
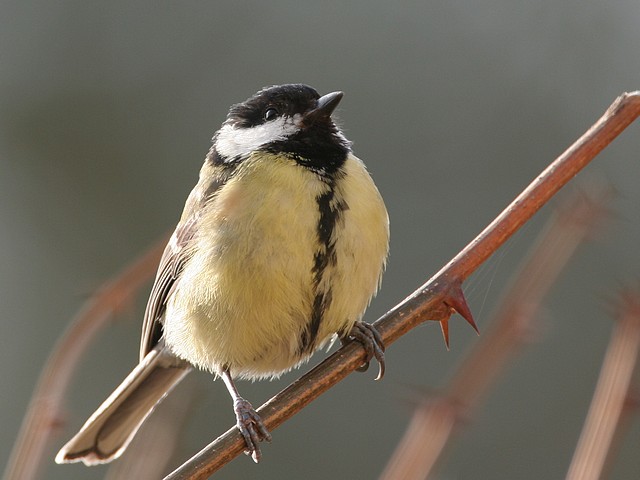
233	142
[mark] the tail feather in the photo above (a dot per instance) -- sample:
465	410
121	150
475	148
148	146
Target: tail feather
109	430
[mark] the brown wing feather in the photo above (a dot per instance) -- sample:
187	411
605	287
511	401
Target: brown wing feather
177	252
175	255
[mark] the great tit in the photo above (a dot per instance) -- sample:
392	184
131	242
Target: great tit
279	250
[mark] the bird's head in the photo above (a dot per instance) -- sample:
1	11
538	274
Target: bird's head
292	119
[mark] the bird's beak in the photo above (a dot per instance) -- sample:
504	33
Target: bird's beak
326	105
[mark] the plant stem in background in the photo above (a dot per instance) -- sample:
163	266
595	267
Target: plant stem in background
611	395
45	413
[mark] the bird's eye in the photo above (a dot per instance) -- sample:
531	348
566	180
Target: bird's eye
270	114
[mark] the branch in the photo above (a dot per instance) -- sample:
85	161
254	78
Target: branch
436	420
151	452
44	414
610	398
436	299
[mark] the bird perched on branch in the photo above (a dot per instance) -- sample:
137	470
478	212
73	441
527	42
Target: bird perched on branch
280	248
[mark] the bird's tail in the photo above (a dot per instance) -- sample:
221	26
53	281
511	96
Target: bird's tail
110	429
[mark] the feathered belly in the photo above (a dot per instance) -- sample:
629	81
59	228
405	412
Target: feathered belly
280	265
246	295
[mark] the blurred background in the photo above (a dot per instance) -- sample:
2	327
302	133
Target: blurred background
107	110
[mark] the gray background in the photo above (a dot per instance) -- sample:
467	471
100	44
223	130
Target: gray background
106	111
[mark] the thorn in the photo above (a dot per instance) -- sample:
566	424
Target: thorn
457	302
444	325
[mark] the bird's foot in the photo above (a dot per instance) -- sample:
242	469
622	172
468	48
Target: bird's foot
251	427
370	338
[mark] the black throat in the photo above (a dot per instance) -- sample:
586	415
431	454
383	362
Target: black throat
320	149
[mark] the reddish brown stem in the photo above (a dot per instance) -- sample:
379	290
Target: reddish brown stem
608	404
44	415
429	302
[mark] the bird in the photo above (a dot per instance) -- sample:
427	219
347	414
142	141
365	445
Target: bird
279	250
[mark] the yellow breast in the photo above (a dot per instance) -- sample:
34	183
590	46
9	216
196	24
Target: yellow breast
246	297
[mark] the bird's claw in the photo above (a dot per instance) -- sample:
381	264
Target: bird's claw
367	335
251	427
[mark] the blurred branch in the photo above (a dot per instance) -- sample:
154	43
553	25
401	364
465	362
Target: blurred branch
44	414
610	397
153	447
435	420
436	299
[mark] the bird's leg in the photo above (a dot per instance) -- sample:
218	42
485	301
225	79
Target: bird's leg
370	338
247	420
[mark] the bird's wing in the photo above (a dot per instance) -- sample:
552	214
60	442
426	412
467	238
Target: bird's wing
176	254
174	257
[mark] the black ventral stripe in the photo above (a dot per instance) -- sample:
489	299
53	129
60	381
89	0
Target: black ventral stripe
331	211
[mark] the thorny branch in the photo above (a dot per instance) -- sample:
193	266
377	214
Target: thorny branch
436	299
436	419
